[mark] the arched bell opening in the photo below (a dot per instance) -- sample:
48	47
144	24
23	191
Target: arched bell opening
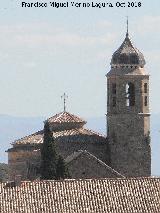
130	94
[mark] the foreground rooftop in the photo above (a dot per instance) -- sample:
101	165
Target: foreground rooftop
118	195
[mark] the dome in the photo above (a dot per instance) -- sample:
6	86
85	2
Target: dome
127	54
65	120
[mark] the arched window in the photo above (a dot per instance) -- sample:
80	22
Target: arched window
114	88
114	59
123	59
145	101
130	94
145	88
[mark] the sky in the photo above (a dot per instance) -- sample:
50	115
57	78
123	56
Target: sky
45	52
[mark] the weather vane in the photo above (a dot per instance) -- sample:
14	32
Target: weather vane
64	96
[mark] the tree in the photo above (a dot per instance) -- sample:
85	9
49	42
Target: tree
48	155
4	172
61	169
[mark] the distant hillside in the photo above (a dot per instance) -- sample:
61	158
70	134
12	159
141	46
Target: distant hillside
12	128
4	172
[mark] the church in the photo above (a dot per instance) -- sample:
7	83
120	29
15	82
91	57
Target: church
108	173
124	152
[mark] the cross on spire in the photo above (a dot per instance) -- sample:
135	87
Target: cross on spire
64	96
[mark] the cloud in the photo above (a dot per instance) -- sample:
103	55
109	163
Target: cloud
149	24
38	34
28	44
63	39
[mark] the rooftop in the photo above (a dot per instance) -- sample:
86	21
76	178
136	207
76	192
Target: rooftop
118	195
65	117
128	54
37	137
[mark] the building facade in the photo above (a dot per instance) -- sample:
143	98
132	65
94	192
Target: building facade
70	135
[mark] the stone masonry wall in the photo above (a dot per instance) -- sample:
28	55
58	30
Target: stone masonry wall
128	126
85	166
25	162
93	144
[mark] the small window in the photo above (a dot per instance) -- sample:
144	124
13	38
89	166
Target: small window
145	101
114	101
145	88
114	88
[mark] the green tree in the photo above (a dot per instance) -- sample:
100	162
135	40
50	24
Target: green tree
4	172
61	169
48	155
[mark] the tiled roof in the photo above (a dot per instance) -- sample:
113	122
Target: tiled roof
79	153
128	54
135	195
80	131
73	126
65	117
34	138
37	137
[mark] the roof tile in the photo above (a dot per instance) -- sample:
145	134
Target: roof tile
126	195
65	117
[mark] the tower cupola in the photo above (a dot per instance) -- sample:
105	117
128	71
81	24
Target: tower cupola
127	55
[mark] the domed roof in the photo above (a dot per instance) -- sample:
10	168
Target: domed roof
65	120
127	54
65	117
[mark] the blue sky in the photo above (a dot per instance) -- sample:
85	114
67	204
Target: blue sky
44	52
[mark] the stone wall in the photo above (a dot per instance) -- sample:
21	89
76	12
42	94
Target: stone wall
88	166
26	162
21	162
128	124
98	146
129	148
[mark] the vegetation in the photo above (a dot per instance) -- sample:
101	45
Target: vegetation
52	165
48	155
61	169
4	172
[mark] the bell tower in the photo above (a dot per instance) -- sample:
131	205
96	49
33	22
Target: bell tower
128	117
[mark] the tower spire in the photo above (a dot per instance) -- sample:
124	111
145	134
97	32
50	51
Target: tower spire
127	28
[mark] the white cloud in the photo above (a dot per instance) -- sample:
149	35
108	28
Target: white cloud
28	44
39	34
65	39
149	24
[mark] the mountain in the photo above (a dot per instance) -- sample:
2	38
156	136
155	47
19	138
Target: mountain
12	128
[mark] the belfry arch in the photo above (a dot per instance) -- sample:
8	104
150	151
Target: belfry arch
130	94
